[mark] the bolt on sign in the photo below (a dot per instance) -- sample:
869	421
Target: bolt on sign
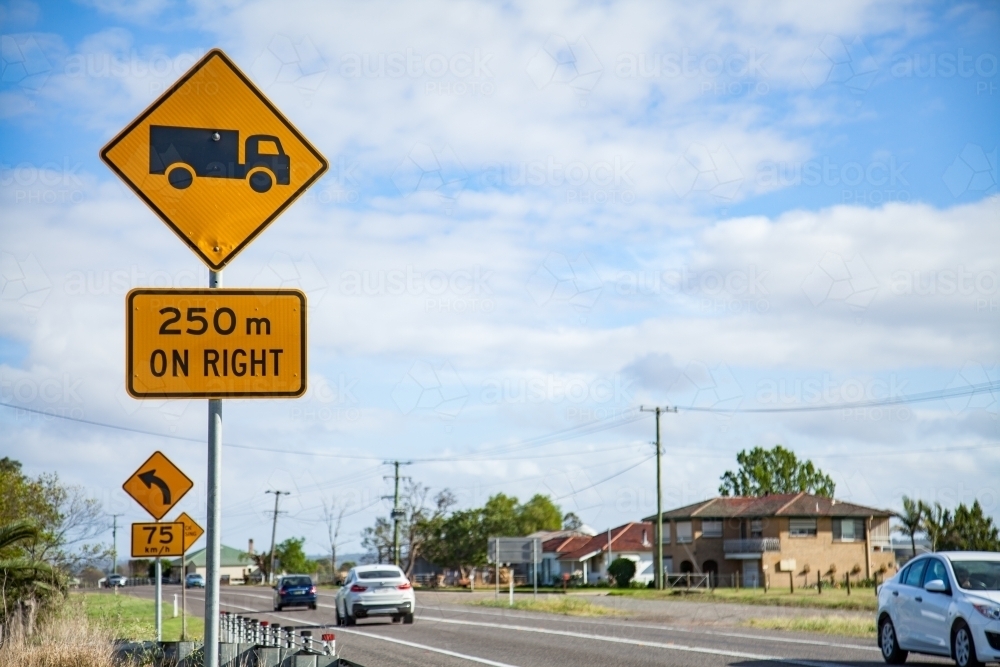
157	485
157	539
192	531
214	159
215	343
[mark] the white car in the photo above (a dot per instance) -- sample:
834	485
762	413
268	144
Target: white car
375	590
945	604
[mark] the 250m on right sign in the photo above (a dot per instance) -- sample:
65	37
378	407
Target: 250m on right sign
215	343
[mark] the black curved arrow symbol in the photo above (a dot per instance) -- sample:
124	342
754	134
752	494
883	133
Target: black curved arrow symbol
149	478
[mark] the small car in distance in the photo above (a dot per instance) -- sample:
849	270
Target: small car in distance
375	590
115	580
194	580
945	604
294	590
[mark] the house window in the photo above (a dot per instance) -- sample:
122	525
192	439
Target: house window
802	527
666	533
711	528
756	528
683	532
848	530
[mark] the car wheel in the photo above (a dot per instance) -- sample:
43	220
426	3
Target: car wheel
261	181
963	649
180	177
891	652
350	620
278	607
312	606
397	619
408	619
336	616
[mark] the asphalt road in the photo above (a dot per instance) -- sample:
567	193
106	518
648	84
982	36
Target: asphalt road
450	634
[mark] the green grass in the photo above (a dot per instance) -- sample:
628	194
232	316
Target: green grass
566	606
828	625
127	617
860	599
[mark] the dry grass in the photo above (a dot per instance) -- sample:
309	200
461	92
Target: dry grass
827	625
560	604
67	640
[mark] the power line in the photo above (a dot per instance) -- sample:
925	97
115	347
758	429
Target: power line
942	394
610	477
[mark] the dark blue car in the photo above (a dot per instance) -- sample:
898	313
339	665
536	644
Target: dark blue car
294	590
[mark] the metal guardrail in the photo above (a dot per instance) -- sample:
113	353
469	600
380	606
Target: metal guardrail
753	545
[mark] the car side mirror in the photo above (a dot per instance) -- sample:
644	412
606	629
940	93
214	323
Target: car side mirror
936	586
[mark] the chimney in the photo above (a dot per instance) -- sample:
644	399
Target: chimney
250	546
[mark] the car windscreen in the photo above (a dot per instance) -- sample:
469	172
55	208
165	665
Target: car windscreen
291	582
977	575
380	574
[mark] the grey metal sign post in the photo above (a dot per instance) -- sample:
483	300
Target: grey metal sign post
213	532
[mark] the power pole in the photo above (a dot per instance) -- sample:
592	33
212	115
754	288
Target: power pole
114	543
658	574
397	513
274	531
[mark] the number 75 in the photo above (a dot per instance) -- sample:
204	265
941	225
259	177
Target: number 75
166	534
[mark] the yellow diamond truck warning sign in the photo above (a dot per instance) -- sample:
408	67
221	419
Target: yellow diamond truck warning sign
214	159
215	343
157	539
157	485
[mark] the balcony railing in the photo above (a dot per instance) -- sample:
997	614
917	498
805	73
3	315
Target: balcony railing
754	545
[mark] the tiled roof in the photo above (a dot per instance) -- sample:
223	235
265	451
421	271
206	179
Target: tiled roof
778	504
561	545
627	538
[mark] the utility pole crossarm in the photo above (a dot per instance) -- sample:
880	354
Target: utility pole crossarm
658	574
396	511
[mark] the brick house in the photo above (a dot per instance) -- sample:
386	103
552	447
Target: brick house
772	535
588	556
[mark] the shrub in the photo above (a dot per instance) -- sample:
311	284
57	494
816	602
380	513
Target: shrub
623	570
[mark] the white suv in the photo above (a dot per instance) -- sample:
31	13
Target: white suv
945	604
375	590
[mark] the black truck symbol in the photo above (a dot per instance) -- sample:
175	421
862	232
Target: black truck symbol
185	152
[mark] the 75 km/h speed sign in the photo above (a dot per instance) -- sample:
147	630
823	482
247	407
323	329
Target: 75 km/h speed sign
157	539
215	343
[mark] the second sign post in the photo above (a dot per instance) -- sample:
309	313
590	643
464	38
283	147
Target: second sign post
217	162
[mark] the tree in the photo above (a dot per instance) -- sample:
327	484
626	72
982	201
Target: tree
571	522
421	523
776	470
912	520
292	558
971	530
623	570
333	518
65	516
27	584
377	540
936	523
539	513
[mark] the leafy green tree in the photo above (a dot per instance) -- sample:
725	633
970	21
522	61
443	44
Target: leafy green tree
776	470
936	523
292	558
539	513
623	570
971	530
30	585
911	520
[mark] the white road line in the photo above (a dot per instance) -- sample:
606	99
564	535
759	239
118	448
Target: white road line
463	656
615	640
669	628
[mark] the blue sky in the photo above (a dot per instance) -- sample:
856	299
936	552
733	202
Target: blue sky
598	206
